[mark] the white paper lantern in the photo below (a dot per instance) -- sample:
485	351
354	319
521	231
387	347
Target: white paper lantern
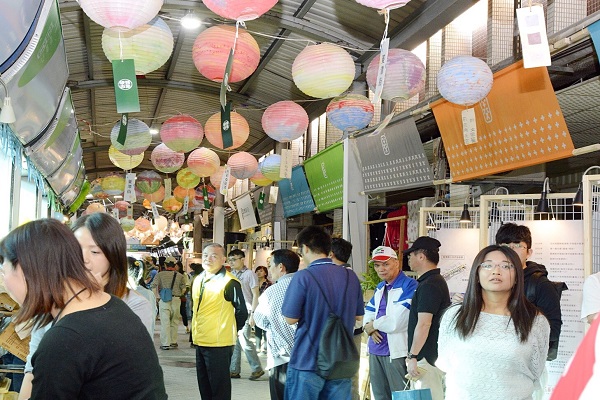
121	15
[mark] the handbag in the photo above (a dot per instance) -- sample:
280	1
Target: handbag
166	294
412	394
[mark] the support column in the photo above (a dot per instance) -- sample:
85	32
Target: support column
197	233
219	219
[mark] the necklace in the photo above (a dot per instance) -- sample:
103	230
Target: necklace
66	304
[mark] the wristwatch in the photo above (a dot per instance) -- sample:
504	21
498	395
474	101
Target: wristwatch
410	356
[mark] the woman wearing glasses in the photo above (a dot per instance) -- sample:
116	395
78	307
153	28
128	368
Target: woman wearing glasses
493	345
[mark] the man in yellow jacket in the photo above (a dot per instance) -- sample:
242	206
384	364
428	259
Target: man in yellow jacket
219	312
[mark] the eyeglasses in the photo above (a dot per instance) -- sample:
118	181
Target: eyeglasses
490	266
232	259
514	245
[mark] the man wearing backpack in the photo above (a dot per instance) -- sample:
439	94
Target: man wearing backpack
308	299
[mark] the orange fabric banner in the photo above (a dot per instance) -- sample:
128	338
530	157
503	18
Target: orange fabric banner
519	124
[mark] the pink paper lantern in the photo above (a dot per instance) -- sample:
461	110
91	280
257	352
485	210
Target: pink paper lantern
215	179
142	224
122	205
211	51
404	76
240	10
285	121
181	133
351	112
138	137
323	70
148	181
259	179
381	4
166	160
95	208
240	130
187	179
121	15
203	162
243	165
157	196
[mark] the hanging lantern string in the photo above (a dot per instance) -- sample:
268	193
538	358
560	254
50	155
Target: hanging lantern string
386	16
120	47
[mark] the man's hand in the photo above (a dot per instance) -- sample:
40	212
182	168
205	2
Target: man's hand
411	367
374	333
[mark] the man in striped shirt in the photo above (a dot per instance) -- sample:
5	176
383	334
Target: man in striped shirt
280	340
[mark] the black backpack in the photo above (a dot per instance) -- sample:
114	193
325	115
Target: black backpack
337	357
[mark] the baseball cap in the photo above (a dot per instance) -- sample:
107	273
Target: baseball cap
424	243
383	253
170	260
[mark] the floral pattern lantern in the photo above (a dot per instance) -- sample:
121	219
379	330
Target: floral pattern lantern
148	181
381	4
211	51
240	10
351	112
465	80
138	137
270	167
113	185
215	179
285	121
203	162
172	205
404	76
259	179
127	223
121	15
142	224
96	189
240	130
199	196
149	46
157	196
124	161
166	160
323	70
180	193
181	133
187	179
243	165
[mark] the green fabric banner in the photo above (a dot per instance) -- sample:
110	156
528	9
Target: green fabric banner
325	175
226	126
126	89
261	201
205	197
123	130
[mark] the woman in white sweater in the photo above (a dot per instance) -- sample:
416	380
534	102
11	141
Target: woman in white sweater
493	345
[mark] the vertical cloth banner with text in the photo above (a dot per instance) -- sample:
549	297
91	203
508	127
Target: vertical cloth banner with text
295	194
394	159
246	212
325	175
126	89
519	124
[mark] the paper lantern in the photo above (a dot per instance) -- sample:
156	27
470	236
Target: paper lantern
96	189
465	80
240	130
149	46
95	208
124	161
269	167
239	10
166	160
156	196
187	179
148	181
381	4
137	140
243	165
215	179
127	223
404	75
181	133
285	121
180	193
350	112
211	194
121	15
211	51
113	185
172	205
122	205
203	162
323	70
259	179
142	224
146	203
160	223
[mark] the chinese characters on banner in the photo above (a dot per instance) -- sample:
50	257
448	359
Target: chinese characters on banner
325	174
295	194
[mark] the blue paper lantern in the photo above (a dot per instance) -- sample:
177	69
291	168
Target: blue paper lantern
465	80
350	112
270	166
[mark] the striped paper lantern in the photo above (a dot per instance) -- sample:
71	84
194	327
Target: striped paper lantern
211	194
215	179
172	205
404	75
381	4
259	179
323	70
149	46
121	15
157	196
211	51
187	179
240	10
138	137
148	181
240	130
351	112
270	166
127	223
166	160
285	121
124	161
243	165
113	184
180	193
203	162
465	80
181	133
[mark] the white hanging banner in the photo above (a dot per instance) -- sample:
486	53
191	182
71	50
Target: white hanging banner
186	204
469	126
225	180
115	213
129	192
273	192
285	168
246	212
383	56
204	218
534	39
168	191
155	213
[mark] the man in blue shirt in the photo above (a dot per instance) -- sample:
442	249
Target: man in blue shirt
304	303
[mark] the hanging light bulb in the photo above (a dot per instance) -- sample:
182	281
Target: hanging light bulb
190	21
7	115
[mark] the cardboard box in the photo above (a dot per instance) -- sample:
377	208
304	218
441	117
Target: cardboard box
11	342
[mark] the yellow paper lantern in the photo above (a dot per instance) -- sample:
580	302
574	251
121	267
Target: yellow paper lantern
124	161
113	184
180	193
187	179
270	167
240	130
172	205
259	179
203	162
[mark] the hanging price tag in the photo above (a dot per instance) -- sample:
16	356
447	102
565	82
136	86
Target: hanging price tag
469	126
273	192
204	218
168	193
115	213
225	180
285	168
130	211
383	57
129	193
186	203
155	213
